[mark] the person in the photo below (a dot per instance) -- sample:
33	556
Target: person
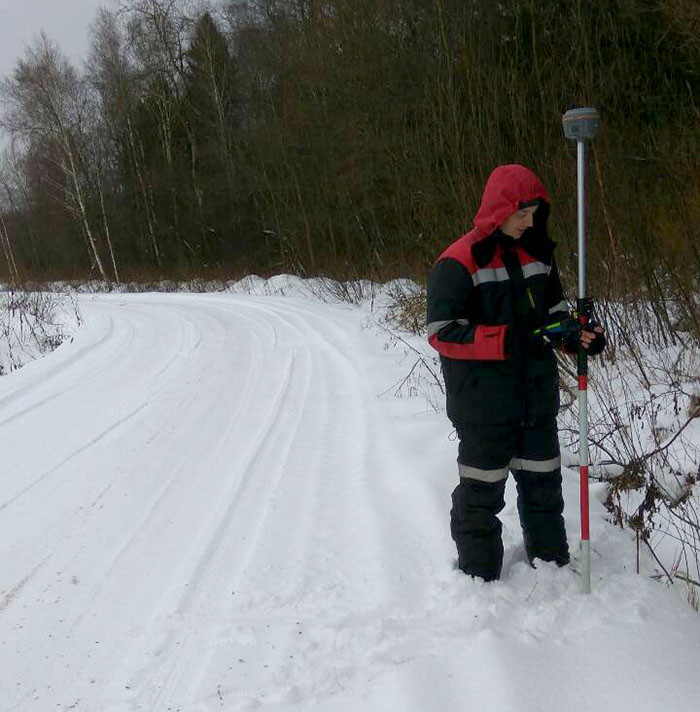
487	295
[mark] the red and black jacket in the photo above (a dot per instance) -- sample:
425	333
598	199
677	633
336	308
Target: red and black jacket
487	292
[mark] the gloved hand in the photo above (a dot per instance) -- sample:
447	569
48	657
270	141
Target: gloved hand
598	342
591	336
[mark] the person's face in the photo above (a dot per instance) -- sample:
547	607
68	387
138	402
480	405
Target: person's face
519	221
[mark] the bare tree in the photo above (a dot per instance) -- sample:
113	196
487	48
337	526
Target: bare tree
157	33
48	104
118	82
7	251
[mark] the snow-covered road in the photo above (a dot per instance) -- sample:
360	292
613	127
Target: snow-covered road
204	505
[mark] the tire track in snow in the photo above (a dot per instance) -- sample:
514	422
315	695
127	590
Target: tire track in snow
178	650
83	381
280	503
231	538
294	501
370	452
23	386
69	546
169	486
112	429
330	660
101	601
346	496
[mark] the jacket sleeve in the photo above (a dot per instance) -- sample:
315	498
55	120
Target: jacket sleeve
555	303
559	309
454	329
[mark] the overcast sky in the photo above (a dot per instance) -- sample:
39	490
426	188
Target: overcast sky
64	21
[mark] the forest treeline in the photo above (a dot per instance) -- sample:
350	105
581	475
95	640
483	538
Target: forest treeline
348	137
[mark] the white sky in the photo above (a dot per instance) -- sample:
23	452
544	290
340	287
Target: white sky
64	21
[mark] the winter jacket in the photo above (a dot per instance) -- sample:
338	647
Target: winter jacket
487	293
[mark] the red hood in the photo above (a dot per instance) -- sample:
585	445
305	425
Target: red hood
506	187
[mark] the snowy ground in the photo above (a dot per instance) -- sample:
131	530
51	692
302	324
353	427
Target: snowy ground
205	504
33	324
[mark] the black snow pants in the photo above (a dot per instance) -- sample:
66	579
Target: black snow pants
486	454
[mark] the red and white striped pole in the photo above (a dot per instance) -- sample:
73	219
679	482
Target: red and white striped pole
582	125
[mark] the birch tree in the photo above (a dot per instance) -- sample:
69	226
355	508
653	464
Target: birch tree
118	85
48	104
157	32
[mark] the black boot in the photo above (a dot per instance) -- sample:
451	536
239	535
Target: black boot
540	506
476	529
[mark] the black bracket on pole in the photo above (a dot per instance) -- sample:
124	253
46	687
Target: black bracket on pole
584	314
